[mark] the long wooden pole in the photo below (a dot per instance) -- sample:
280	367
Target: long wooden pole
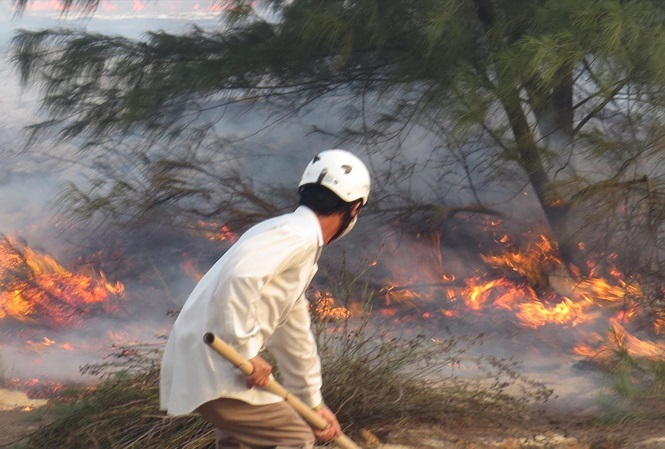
309	415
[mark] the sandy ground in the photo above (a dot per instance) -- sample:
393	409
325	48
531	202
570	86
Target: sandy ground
12	400
545	432
17	417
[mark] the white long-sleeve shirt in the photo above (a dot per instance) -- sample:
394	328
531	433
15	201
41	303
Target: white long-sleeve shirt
253	294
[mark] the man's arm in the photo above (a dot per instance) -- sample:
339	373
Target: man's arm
296	353
294	347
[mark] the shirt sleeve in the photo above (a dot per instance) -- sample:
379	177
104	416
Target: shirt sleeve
295	350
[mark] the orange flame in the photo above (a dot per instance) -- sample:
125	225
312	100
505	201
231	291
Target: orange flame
536	314
215	231
35	288
659	325
532	283
618	340
532	263
39	346
599	288
477	295
324	307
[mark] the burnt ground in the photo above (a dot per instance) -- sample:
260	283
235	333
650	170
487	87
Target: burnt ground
552	431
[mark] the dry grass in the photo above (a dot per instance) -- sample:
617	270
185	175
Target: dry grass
122	412
372	381
375	377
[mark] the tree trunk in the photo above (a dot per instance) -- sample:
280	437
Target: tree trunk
558	127
529	156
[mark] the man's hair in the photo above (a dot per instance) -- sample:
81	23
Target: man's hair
322	200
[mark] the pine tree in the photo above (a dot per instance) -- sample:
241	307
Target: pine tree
532	90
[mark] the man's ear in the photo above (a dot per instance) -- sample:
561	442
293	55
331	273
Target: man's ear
355	207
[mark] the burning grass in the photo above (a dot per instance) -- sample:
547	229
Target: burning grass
374	379
634	373
35	289
378	374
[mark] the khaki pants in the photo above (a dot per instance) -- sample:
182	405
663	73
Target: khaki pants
244	426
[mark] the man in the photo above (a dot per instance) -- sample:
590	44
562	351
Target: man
255	295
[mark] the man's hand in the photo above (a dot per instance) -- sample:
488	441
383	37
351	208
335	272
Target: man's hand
333	430
261	374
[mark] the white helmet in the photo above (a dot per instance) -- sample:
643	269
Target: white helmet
340	171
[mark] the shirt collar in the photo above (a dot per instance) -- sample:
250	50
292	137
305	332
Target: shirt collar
308	214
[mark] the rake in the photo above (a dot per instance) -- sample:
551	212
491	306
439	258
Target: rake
309	415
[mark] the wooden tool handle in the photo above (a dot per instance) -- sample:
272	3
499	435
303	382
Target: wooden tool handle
309	415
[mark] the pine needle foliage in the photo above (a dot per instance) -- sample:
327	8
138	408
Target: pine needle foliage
510	92
67	6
